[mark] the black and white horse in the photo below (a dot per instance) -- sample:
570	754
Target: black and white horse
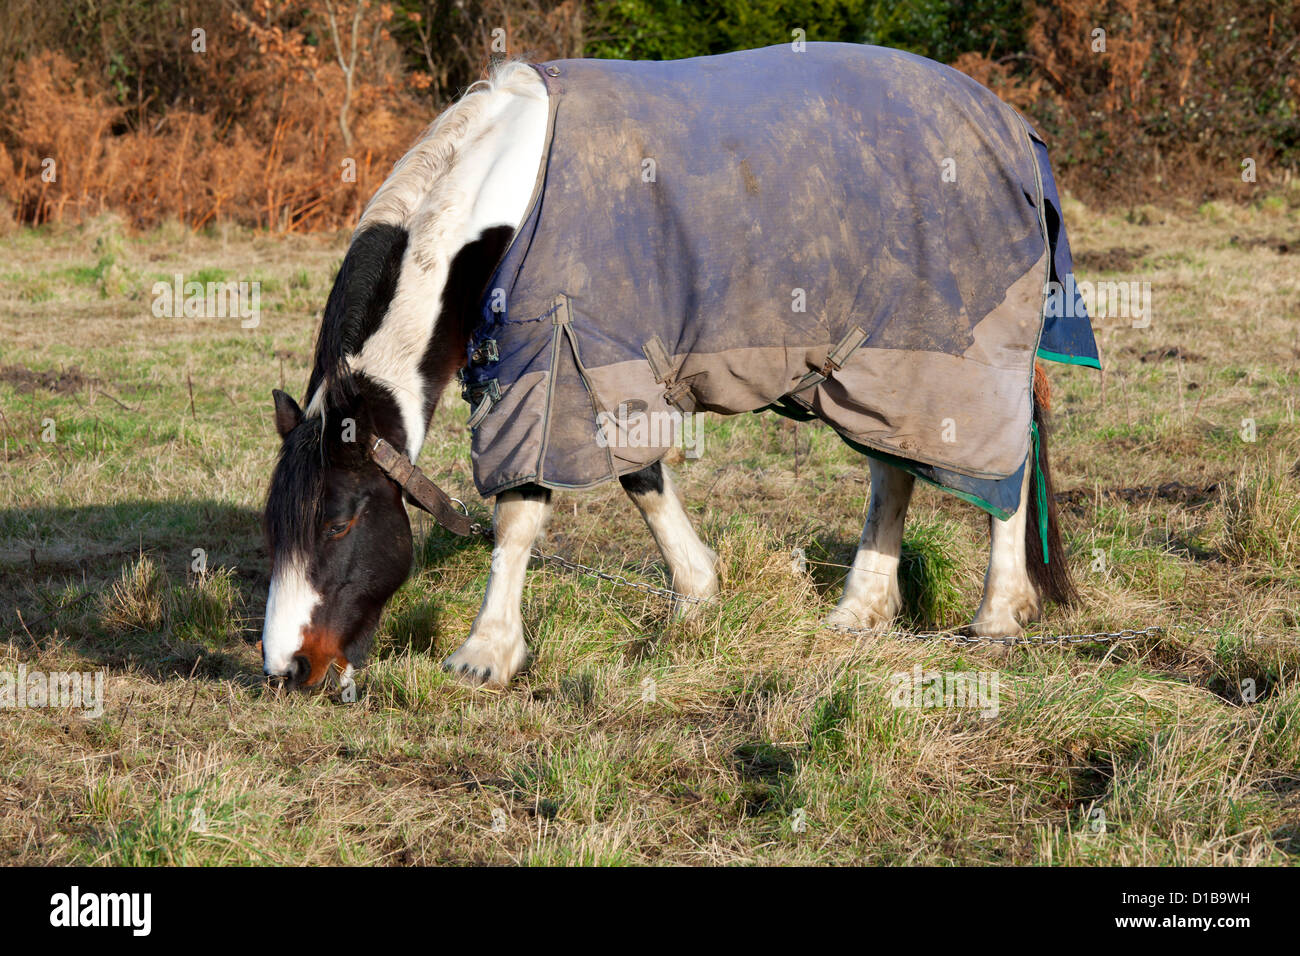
395	333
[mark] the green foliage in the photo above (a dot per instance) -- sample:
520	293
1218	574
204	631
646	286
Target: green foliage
672	29
927	574
170	832
1207	83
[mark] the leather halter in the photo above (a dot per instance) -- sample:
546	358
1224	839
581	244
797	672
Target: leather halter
419	489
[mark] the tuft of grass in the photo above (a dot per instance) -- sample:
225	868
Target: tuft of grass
1216	211
206	611
1261	513
37	290
927	573
1273	206
830	720
136	601
170	832
111	277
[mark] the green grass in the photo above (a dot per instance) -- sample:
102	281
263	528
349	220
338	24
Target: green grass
747	735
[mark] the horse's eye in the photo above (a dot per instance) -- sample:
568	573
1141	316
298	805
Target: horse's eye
338	530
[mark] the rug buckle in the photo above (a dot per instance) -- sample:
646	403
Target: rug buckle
485	353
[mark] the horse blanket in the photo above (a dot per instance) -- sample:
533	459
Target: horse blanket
841	232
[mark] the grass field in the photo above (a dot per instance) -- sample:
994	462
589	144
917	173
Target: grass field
748	735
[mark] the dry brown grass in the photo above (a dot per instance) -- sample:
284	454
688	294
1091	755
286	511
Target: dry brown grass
756	713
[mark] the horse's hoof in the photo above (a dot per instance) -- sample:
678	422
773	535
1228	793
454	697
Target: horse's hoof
1008	618
866	619
483	663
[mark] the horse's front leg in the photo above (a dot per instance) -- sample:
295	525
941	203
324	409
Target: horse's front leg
495	649
692	564
871	594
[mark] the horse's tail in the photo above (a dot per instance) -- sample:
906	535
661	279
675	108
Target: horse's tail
1049	571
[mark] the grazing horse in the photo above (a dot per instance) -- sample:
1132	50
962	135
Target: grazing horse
837	232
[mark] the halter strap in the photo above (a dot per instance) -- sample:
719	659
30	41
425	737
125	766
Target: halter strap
421	491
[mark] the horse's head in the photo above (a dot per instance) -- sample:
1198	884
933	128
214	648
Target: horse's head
339	539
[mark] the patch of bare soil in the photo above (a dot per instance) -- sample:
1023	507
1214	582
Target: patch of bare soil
1179	492
1170	352
1114	259
65	381
1278	244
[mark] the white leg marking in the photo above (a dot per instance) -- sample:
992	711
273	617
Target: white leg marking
693	565
1010	600
495	649
289	604
871	596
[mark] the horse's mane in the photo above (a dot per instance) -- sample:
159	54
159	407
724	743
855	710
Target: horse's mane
362	290
297	485
435	151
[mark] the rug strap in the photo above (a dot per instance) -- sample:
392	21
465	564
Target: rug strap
676	392
656	354
834	361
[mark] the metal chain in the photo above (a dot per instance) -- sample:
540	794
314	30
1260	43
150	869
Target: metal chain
486	533
618	579
956	638
947	636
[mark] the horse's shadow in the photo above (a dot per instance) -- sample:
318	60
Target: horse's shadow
178	588
414	619
168	588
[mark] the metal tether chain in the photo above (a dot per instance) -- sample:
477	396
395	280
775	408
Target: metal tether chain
948	637
954	637
618	579
945	636
486	533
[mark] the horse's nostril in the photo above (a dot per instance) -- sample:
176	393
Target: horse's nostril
299	669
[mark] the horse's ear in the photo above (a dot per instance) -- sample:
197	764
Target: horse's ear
287	413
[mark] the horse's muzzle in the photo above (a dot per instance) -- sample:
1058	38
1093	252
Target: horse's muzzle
292	679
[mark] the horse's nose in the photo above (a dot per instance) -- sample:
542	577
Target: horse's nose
293	677
299	669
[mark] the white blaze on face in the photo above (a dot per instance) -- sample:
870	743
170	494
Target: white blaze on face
288	611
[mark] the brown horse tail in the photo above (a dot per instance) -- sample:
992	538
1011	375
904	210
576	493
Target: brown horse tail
1049	571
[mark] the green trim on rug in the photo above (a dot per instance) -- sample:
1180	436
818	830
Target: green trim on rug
1069	359
788	409
1042	493
911	469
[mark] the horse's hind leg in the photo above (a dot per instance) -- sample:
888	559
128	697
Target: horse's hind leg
871	595
495	648
692	564
1010	599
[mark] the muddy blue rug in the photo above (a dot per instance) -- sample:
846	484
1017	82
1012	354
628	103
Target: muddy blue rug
847	233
